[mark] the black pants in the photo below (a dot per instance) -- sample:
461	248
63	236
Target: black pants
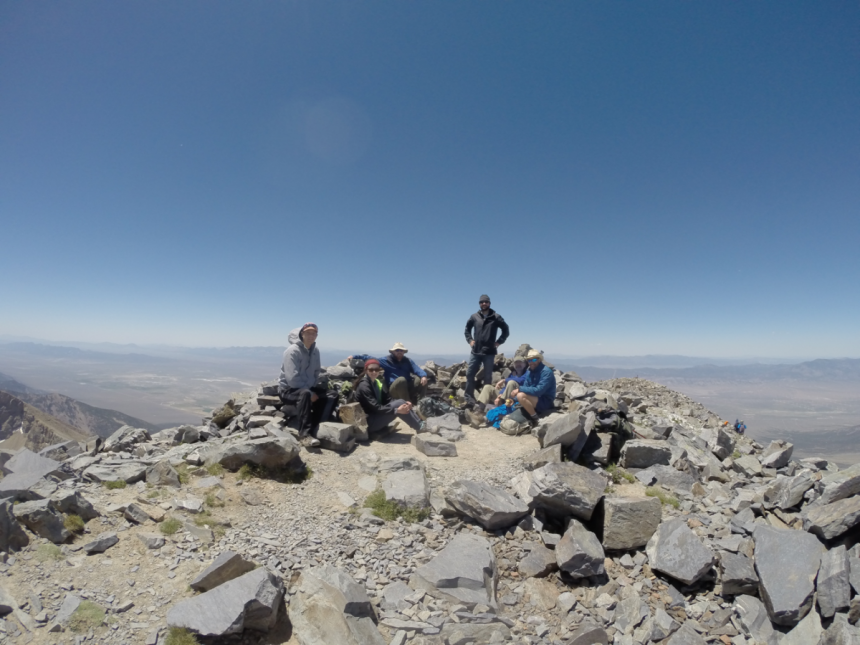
310	415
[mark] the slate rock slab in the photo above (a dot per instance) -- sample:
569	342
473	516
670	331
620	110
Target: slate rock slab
269	452
832	520
833	583
250	601
737	574
12	536
463	572
449	421
126	470
353	414
224	568
407	487
566	489
434	446
151	540
544	456
125	439
643	453
72	502
666	476
41	518
330	607
807	632
777	454
163	474
493	508
101	544
629	522
754	620
787	563
678	552
538	563
336	436
840	632
569	431
839	485
25	461
579	552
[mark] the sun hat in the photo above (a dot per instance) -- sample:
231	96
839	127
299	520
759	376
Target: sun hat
398	346
533	353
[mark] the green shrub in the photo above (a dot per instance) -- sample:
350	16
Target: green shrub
87	616
180	636
211	500
736	454
390	510
215	469
284	474
170	526
115	485
663	496
618	474
74	523
48	552
182	472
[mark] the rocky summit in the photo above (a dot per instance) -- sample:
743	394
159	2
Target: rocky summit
629	515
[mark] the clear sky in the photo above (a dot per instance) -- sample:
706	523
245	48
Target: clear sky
620	177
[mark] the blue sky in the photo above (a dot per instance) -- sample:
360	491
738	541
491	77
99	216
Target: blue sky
620	177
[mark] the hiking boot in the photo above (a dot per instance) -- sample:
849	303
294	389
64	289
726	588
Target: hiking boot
309	442
476	419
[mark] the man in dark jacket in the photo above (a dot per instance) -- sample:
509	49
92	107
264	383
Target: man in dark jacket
486	324
404	378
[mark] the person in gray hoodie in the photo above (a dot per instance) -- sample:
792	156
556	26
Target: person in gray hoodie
298	386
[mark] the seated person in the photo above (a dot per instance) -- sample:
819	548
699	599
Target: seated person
297	384
537	393
498	394
373	396
404	378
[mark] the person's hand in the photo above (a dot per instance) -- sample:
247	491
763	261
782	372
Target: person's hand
423	380
404	409
514	393
497	345
500	384
471	343
349	358
498	400
314	397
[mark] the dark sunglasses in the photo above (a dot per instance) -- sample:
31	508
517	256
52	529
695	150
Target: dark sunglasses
480	302
374	369
533	360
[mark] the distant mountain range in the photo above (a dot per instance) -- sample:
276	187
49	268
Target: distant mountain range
83	418
837	369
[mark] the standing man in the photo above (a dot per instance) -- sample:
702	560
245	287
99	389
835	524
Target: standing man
486	323
537	393
297	384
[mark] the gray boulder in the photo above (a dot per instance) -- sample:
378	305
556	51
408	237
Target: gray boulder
538	563
599	448
777	454
163	474
566	489
833	585
589	634
135	513
840	632
151	540
722	443
270	452
569	431
469	633
686	635
125	439
25	461
186	434
754	620
126	470
542	457
807	632
787	492
737	574
433	446
493	508
72	502
224	568
629	522
449	421
41	518
352	414
787	563
330	607
336	436
678	552
832	520
748	466
666	476
250	601
12	536
463	572
642	453
101	544
407	487
839	485
579	553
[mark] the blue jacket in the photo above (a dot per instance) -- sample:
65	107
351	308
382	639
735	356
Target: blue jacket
540	383
519	380
394	369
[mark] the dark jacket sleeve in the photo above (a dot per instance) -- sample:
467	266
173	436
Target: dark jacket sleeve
506	331
470	324
367	399
546	378
417	370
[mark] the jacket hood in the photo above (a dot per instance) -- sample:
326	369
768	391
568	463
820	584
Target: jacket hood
293	337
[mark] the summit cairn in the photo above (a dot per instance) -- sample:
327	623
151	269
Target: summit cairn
629	514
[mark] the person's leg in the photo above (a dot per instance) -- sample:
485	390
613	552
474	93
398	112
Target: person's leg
489	364
302	400
528	402
416	391
487	394
322	408
399	389
509	387
378	420
411	419
471	371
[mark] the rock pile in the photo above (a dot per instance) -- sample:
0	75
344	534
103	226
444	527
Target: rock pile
630	515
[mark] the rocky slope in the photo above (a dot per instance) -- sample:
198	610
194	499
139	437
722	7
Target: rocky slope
630	516
23	425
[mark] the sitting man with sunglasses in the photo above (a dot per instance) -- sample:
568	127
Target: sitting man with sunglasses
537	393
404	378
